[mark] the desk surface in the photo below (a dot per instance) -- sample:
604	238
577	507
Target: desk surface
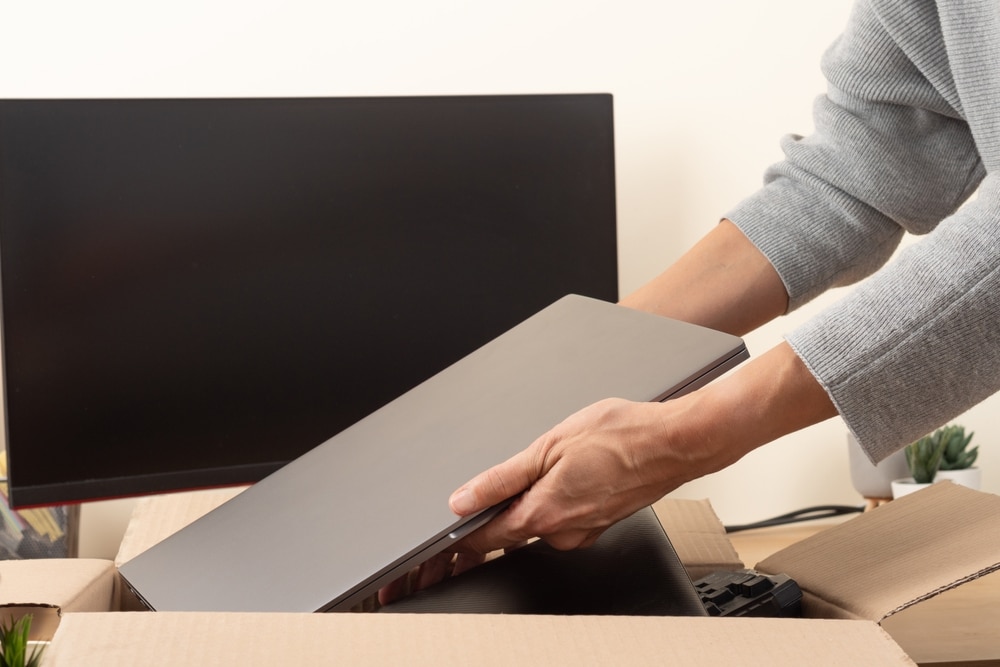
957	627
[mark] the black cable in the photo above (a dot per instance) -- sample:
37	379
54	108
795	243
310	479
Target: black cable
807	514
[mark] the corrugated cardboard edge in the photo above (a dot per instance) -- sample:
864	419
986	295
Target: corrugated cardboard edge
698	536
44	588
897	555
44	619
154	518
250	640
72	584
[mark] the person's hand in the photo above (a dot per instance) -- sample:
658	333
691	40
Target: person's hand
614	457
590	471
578	479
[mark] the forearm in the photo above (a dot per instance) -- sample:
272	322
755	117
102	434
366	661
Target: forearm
918	343
769	397
891	152
723	283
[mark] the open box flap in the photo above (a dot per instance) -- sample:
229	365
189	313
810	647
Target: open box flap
72	584
898	554
44	619
46	587
697	535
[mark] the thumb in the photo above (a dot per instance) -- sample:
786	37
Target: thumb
497	484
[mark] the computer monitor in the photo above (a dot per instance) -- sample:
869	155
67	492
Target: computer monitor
197	291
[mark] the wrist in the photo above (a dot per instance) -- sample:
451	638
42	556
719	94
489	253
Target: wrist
712	428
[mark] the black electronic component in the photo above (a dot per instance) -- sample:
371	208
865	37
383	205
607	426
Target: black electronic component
749	593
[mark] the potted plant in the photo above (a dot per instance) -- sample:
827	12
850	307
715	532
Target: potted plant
15	649
874	480
957	460
946	449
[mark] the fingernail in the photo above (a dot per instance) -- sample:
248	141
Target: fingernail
462	502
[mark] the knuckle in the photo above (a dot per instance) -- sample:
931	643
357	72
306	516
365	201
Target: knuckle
497	483
522	526
565	541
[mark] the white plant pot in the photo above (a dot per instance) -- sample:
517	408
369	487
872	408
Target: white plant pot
905	486
969	477
874	481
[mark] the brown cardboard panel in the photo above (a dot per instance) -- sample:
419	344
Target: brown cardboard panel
961	625
898	554
817	607
697	535
755	544
155	518
72	584
44	619
43	587
250	640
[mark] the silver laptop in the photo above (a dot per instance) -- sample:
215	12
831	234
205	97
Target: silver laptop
333	526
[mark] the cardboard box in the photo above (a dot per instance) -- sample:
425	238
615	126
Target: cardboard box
168	639
854	575
883	561
48	587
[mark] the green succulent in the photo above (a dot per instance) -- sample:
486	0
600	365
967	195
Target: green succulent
944	449
14	644
956	455
924	457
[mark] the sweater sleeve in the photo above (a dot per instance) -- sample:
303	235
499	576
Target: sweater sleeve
891	154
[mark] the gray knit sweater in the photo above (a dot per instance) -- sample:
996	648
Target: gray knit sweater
907	132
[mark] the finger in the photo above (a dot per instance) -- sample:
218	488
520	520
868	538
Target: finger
572	539
503	531
497	484
435	569
394	590
466	561
533	515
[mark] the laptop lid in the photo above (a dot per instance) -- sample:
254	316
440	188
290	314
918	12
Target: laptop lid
334	525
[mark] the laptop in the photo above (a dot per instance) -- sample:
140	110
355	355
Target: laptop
330	528
632	570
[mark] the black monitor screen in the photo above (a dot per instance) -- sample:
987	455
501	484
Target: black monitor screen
196	292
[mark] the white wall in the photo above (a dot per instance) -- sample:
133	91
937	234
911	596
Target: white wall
703	91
